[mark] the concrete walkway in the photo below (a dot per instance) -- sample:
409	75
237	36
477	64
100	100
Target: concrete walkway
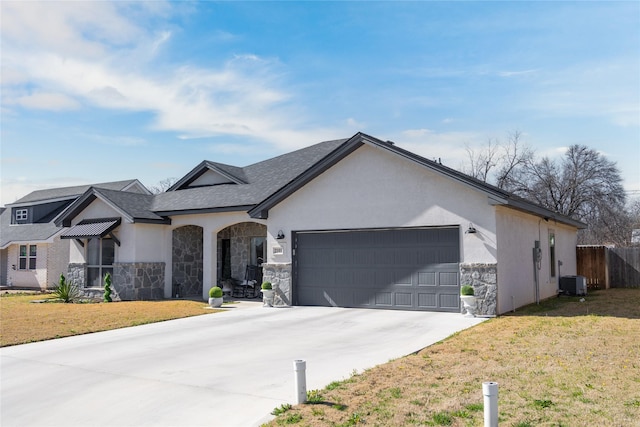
224	369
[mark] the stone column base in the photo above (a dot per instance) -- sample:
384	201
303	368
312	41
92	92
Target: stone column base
484	279
280	277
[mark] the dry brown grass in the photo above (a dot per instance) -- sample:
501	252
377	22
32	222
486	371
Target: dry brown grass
22	321
563	363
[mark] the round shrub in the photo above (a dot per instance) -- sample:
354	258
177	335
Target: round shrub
215	292
266	285
466	290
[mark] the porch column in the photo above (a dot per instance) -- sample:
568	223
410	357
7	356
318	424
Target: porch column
209	261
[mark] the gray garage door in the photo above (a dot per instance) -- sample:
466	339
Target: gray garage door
406	269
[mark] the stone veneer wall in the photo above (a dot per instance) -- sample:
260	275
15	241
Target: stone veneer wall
138	281
187	250
280	277
240	236
484	279
130	281
76	274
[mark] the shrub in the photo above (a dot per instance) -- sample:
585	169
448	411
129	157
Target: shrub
266	285
107	288
466	290
67	291
215	292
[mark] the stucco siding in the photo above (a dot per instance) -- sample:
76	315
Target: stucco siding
517	233
372	188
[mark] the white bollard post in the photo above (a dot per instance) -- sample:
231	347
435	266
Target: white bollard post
300	367
490	392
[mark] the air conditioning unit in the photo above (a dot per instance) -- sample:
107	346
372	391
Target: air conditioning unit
573	285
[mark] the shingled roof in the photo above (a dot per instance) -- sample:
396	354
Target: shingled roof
261	180
50	194
42	231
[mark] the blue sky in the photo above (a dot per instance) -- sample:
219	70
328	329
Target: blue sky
104	91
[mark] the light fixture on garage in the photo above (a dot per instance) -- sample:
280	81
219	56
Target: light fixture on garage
280	235
471	229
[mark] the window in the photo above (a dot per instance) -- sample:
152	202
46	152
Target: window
21	214
27	259
258	250
100	258
552	253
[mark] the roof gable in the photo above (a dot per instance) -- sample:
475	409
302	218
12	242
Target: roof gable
134	207
495	195
210	173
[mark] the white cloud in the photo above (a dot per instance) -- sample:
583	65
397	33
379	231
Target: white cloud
68	28
515	73
610	90
92	51
47	101
449	147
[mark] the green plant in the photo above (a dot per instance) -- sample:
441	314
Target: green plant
266	286
542	404
314	397
215	292
443	419
107	288
281	409
466	290
290	419
66	290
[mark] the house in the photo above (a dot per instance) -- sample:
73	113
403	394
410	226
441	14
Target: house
357	222
32	255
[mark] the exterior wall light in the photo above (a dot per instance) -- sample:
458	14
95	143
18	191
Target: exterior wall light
280	235
471	229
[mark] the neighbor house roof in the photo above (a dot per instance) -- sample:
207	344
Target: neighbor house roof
52	194
39	232
23	233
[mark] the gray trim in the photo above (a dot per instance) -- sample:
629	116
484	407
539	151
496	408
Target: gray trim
205	210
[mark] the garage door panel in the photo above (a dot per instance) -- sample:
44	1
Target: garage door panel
317	277
403	277
410	269
403	299
384	299
448	279
427	300
405	256
451	301
426	279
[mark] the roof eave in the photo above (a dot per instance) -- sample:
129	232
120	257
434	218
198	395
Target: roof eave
168	213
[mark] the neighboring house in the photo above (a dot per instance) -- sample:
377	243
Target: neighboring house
356	222
32	255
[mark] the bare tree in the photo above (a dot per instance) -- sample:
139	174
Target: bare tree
515	157
583	185
500	164
481	162
163	185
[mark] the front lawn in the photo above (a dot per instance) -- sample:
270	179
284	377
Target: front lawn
564	363
22	321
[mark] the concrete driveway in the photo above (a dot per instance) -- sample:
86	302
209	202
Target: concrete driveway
225	369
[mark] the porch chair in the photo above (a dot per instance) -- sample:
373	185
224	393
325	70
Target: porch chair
250	286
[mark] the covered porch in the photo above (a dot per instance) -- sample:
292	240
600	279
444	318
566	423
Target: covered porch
230	257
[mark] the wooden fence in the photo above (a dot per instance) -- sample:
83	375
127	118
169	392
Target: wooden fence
609	267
